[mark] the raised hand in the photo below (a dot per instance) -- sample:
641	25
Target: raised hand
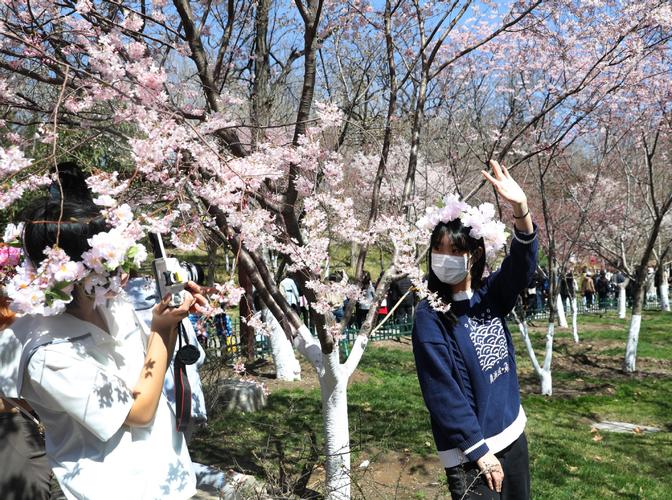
504	184
511	191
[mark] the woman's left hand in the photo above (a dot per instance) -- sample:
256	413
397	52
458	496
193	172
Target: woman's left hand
504	184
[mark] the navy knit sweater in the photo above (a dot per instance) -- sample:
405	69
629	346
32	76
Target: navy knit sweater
468	373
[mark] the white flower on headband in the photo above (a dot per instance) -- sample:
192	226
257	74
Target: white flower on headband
481	221
48	289
12	233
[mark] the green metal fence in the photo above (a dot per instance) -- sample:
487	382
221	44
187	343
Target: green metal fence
231	347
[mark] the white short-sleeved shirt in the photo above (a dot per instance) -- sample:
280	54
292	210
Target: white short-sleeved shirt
79	380
10	355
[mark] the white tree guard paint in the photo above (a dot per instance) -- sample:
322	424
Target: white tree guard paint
575	311
546	383
333	377
544	375
621	302
308	345
664	291
546	378
630	364
287	367
334	386
561	312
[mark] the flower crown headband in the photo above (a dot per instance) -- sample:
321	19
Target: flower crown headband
481	221
48	288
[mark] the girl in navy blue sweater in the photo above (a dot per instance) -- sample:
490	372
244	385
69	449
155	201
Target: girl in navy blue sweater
465	357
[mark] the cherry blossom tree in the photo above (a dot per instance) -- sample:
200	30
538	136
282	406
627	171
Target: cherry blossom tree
216	124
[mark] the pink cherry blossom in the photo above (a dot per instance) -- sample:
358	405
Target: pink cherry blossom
12	160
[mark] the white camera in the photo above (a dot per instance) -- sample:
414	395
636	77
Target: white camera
170	278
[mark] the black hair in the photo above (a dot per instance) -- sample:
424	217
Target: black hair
72	182
335	277
461	240
366	279
79	221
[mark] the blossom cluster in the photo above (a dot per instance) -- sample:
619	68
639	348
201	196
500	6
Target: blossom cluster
47	289
405	240
228	294
12	160
10	251
480	220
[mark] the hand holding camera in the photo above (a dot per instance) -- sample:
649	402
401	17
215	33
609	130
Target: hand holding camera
179	294
166	317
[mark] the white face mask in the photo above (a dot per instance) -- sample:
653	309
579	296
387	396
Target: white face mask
450	269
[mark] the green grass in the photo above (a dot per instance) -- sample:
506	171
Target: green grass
386	412
655	337
377	260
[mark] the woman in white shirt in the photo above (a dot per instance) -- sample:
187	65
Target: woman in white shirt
95	378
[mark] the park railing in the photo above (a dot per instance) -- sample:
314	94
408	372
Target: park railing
231	347
597	307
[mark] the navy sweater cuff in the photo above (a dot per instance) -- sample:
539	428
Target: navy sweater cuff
525	236
474	451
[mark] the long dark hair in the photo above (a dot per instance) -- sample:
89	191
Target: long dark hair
80	220
461	240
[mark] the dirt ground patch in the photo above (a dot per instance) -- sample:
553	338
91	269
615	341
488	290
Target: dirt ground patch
585	361
540	327
263	370
394	475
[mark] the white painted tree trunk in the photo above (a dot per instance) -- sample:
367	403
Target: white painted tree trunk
575	311
334	391
561	312
546	383
651	289
333	377
545	378
631	347
621	301
664	290
287	367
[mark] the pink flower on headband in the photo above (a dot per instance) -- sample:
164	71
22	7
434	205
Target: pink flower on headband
9	256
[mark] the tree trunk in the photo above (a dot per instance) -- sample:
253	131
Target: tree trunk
640	290
260	94
575	310
622	299
418	117
562	319
630	362
545	378
287	367
354	250
212	262
664	291
245	308
334	390
333	377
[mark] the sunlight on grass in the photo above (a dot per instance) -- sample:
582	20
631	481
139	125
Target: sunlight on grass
567	459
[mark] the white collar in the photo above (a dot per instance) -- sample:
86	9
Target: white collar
466	295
